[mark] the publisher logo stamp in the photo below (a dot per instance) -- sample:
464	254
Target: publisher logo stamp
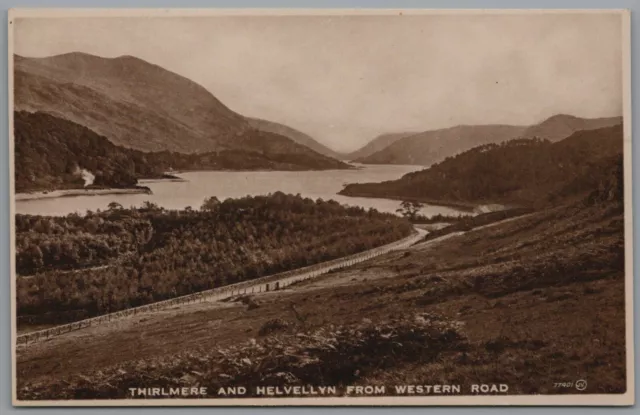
581	384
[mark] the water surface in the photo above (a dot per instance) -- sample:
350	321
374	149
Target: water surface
225	184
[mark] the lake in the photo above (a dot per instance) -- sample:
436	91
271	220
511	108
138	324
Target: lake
225	184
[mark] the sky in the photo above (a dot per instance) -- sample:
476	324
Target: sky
346	79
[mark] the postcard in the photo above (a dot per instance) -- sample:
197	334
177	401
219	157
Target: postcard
274	207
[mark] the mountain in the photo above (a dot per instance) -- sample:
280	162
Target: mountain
134	103
293	134
375	145
433	146
562	126
139	105
51	152
519	171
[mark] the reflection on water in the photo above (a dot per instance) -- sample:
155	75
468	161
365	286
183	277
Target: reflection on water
223	184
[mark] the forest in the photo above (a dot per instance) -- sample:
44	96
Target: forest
78	266
50	151
527	172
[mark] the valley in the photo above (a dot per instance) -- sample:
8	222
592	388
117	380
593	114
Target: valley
522	302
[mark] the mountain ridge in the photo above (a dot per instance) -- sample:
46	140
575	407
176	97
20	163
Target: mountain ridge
378	143
142	106
431	146
293	134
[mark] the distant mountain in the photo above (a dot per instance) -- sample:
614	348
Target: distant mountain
142	106
50	153
375	145
433	146
519	171
562	126
293	134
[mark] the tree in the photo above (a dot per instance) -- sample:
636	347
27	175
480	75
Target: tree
210	204
114	206
410	209
150	206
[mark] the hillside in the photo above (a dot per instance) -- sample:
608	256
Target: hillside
50	152
537	298
134	103
562	126
181	252
521	171
142	106
293	134
375	145
430	147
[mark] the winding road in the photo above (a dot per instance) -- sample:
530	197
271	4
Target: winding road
264	284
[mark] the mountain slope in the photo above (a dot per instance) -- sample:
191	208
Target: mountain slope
134	103
430	147
50	152
142	106
375	145
562	126
293	134
521	171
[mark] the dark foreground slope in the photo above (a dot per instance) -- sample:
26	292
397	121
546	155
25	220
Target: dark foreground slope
49	152
524	171
535	303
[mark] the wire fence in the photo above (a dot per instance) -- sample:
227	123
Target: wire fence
264	284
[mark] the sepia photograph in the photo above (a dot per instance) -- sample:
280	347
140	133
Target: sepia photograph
320	207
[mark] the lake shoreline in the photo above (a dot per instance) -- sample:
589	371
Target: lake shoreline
79	192
174	195
463	206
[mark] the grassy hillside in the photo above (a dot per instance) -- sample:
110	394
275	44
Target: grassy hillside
530	303
50	151
523	171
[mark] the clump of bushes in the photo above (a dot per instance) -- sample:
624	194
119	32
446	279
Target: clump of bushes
272	326
328	356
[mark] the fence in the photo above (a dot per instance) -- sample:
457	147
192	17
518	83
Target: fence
263	284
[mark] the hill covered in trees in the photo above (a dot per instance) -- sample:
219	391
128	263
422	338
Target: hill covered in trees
133	257
50	151
521	171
